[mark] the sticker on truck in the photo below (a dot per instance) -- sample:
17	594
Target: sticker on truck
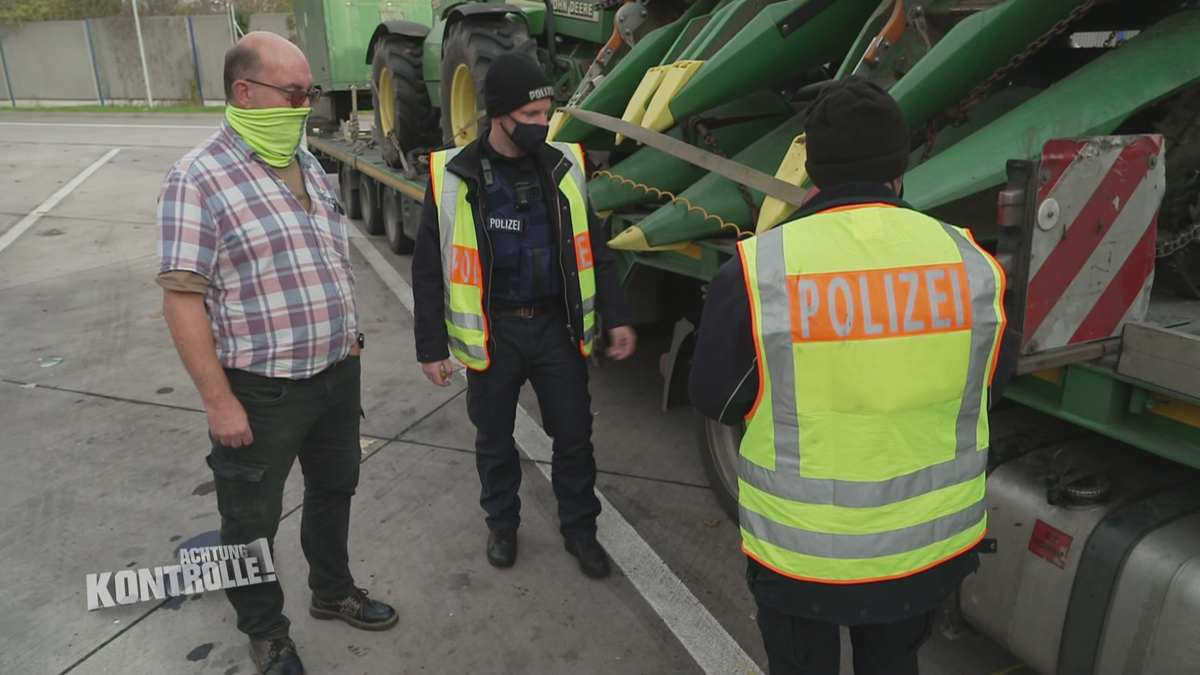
1051	544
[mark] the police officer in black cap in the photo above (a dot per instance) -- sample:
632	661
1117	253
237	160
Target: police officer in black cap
512	275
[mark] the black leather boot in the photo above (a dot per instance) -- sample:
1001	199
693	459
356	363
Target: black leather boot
592	558
357	610
502	548
276	657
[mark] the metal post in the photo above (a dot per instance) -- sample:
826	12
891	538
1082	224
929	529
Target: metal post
95	68
142	49
196	60
7	82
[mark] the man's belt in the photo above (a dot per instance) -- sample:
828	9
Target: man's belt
523	312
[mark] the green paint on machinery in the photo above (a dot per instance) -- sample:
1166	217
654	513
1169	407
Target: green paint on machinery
981	83
744	122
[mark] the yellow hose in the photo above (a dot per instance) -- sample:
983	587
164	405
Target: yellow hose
682	200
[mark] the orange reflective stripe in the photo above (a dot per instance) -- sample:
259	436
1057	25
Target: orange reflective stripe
583	251
884	303
855	207
465	267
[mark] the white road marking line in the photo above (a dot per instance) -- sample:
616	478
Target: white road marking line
391	278
118	126
712	647
44	208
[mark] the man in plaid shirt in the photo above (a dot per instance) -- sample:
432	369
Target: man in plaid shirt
259	297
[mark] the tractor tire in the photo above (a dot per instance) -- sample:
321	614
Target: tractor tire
718	445
469	48
404	116
372	211
393	222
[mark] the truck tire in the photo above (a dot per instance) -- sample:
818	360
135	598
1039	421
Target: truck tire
348	187
718	445
469	48
404	115
393	223
368	196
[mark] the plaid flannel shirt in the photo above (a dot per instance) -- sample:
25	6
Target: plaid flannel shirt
281	287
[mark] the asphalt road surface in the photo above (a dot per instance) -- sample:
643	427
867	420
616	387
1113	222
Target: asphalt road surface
104	444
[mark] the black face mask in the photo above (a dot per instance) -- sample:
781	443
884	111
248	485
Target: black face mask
528	137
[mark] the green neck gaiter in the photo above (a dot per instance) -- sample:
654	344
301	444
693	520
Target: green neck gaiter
274	133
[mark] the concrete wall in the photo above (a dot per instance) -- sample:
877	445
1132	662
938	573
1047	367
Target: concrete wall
51	62
4	96
275	23
212	41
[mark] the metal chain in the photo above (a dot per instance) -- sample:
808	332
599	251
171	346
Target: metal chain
711	140
961	113
1186	236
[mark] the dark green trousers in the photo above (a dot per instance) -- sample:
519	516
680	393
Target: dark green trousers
315	420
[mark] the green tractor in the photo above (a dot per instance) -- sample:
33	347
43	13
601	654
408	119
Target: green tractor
425	61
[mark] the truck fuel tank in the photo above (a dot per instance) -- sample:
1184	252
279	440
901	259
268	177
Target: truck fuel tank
1098	563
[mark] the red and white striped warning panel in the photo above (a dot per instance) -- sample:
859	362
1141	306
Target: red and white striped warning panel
1092	257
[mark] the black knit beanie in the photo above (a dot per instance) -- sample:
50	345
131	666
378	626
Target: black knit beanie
855	132
512	81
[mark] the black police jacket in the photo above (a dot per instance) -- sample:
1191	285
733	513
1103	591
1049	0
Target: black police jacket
428	294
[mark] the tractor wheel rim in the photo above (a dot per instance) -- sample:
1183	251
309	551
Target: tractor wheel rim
387	102
462	105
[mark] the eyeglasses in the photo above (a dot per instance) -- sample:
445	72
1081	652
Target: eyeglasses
296	96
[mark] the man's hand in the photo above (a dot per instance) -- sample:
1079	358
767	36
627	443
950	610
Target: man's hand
439	372
622	342
228	423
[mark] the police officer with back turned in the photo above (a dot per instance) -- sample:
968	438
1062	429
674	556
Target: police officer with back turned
512	275
858	342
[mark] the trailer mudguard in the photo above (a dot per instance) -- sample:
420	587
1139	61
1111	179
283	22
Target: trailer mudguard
461	12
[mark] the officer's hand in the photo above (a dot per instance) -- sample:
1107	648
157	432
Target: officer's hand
439	372
622	342
228	424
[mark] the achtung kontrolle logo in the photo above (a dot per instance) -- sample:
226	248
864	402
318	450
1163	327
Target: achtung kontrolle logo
208	568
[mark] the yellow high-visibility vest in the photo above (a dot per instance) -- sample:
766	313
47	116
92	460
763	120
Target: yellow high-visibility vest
877	331
462	273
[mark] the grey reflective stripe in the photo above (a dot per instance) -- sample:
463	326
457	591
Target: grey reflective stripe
861	546
776	331
447	218
785	482
984	321
447	214
967	465
576	171
468	321
478	353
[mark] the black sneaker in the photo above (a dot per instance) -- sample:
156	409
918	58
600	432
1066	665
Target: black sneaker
276	657
502	548
357	610
592	558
